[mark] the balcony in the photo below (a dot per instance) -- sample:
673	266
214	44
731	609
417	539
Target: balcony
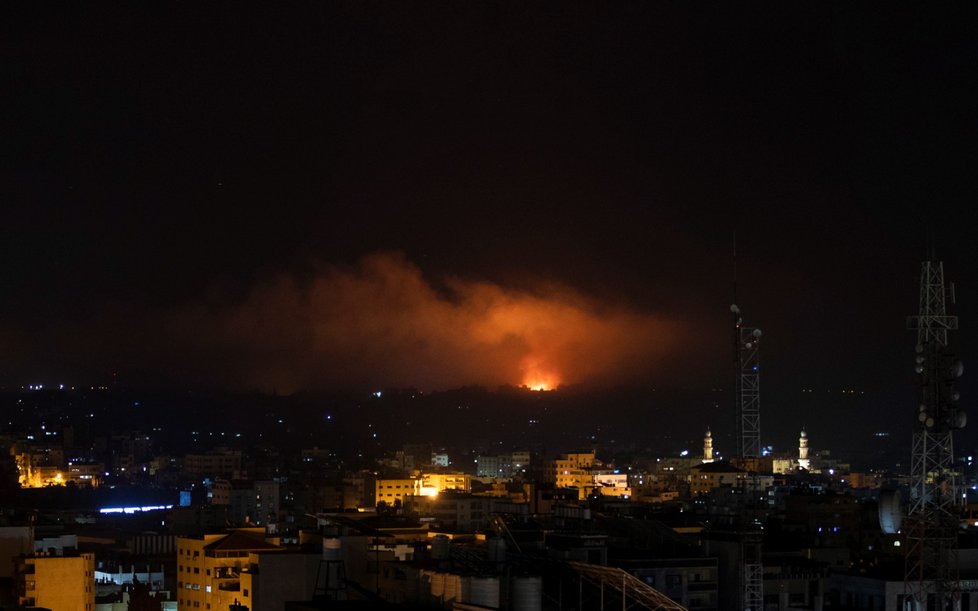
226	572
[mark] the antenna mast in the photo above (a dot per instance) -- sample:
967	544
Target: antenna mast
931	569
747	390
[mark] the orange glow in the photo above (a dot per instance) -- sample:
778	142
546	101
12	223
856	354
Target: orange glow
539	378
537	384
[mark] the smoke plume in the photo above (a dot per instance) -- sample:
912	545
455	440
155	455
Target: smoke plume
382	324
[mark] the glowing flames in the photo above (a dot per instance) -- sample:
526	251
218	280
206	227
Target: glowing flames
539	384
536	377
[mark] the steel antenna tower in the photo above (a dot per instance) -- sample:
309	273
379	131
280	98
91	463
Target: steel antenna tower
747	390
747	397
931	571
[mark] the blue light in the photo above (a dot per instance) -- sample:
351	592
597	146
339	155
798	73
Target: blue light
131	510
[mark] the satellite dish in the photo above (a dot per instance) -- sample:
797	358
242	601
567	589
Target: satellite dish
929	422
922	417
919	369
756	333
955	396
957	369
748	345
734	308
960	419
919	348
891	514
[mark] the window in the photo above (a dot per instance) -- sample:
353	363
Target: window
196	570
245	591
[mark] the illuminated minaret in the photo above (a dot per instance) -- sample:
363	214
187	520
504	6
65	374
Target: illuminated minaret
708	447
803	462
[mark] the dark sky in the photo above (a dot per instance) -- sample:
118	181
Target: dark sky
446	193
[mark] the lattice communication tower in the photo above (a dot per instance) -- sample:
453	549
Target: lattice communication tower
931	573
747	397
747	389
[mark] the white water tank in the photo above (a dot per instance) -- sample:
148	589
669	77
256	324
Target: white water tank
445	587
890	511
527	594
437	584
482	591
453	587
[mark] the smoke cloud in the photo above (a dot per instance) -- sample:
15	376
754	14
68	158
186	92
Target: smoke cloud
382	324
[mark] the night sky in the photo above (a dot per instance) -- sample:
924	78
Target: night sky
359	195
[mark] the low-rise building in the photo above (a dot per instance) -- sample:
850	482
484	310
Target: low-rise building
221	463
58	582
709	476
210	570
459	511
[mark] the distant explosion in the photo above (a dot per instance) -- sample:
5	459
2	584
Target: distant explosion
382	324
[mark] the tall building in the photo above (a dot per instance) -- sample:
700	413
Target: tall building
708	446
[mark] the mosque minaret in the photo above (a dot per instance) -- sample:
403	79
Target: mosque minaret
803	461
